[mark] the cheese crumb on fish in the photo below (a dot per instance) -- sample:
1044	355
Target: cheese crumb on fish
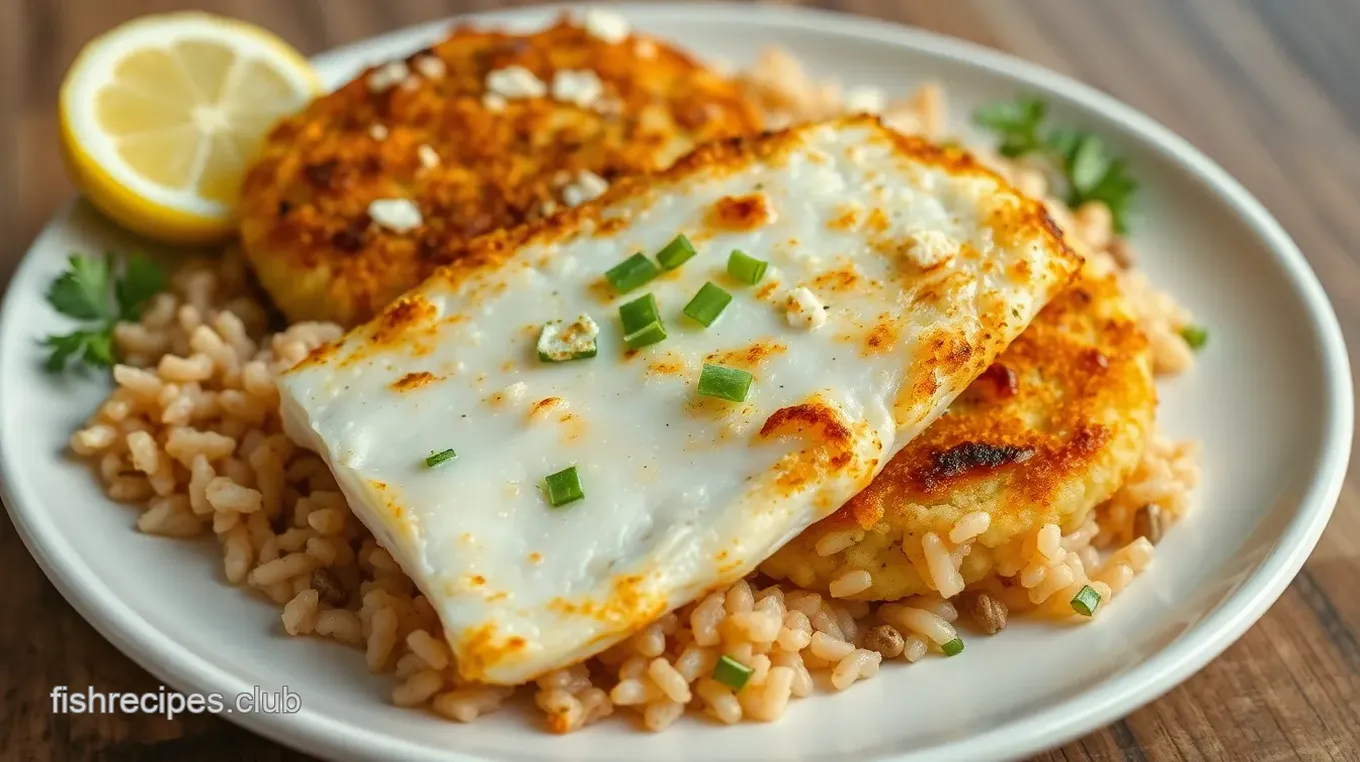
804	309
588	186
683	493
431	67
429	158
606	26
388	76
399	215
515	82
580	88
929	248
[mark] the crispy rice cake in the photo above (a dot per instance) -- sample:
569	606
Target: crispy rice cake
427	131
1049	431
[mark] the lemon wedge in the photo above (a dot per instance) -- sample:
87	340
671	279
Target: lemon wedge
161	116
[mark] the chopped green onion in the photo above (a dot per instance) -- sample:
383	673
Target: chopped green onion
1085	601
1196	336
676	253
641	322
731	672
440	457
646	336
746	269
631	273
639	312
953	647
564	487
724	383
708	304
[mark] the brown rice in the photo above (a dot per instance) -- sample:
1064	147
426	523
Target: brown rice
191	434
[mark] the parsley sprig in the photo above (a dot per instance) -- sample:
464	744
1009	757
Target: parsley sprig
100	292
1091	173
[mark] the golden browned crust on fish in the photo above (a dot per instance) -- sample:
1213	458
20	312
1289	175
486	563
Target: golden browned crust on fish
304	220
1048	431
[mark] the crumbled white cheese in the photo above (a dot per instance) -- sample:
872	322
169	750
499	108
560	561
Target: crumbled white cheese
515	82
588	186
929	248
606	26
429	158
431	67
547	208
515	392
560	342
377	132
644	48
804	309
582	88
399	215
387	76
866	99
493	102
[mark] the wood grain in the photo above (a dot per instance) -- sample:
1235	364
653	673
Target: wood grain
1266	87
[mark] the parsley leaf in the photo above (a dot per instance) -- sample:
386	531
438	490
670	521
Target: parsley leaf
82	292
102	292
1091	173
141	280
64	347
1017	122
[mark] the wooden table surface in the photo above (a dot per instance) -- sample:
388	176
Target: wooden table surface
1265	87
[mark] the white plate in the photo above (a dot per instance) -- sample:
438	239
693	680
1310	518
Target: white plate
1271	398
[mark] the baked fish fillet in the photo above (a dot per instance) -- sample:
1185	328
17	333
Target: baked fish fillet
461	158
897	272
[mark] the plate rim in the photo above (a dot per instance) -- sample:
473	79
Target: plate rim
1046	728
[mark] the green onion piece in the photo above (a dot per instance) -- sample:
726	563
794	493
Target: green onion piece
731	672
724	383
440	457
676	253
641	322
953	647
746	269
645	336
1085	601
708	304
639	313
1196	336
631	273
564	487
